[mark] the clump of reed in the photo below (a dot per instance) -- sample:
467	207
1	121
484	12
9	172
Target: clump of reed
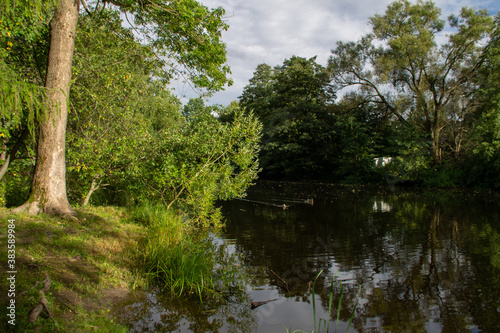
326	322
174	257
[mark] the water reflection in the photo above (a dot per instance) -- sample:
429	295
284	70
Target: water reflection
425	262
157	312
381	206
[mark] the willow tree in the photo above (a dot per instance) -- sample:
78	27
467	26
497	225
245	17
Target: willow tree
401	65
21	85
184	32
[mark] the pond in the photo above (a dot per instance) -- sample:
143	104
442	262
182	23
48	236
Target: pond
395	260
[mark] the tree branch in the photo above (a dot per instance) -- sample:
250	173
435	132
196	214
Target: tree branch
196	176
12	154
86	8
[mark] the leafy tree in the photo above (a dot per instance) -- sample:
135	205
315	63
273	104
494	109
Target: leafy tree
257	95
48	192
184	31
129	133
363	132
401	66
23	39
193	108
291	102
203	160
117	106
486	153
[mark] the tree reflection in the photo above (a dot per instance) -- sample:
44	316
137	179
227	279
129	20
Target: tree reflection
424	261
154	312
430	262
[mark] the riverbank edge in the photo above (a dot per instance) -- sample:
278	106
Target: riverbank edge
92	264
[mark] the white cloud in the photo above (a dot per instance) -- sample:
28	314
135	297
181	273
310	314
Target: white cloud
270	31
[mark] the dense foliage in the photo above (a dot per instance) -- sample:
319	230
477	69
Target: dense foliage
131	141
128	138
429	108
290	100
163	40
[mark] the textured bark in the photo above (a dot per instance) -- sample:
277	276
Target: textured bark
48	190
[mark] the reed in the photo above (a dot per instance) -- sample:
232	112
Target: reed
326	322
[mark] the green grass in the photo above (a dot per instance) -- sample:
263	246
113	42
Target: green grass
92	263
175	257
95	261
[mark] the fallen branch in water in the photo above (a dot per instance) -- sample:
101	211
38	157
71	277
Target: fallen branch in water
283	281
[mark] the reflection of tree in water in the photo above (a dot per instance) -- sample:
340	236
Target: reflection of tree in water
434	285
282	241
154	312
426	264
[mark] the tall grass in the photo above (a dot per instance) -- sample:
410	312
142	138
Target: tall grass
326	322
173	256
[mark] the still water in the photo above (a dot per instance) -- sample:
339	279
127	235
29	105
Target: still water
396	260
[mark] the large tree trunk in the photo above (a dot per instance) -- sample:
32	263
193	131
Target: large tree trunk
48	190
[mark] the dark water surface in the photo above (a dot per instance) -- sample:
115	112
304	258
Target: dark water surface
408	260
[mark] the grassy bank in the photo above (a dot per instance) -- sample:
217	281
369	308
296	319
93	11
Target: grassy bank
93	263
90	263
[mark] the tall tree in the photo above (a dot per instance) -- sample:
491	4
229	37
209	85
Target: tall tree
185	31
401	65
48	192
258	93
291	100
116	108
486	151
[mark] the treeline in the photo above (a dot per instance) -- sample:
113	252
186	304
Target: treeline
129	140
430	108
418	90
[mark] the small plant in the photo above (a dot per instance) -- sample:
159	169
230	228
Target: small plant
326	322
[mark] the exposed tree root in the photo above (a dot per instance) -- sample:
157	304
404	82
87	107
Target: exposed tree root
34	208
31	208
35	312
43	304
24	292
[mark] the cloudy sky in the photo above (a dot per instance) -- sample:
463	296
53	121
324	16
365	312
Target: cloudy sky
270	31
